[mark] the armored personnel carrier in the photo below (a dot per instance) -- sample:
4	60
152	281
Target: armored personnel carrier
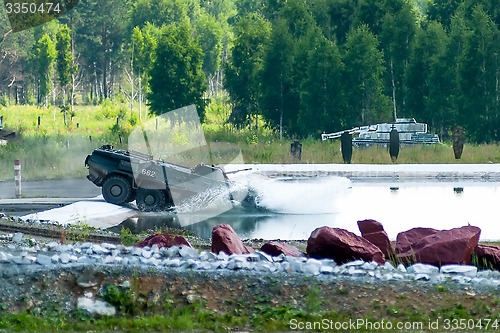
155	185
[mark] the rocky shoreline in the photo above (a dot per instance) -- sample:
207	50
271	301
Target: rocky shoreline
334	273
38	275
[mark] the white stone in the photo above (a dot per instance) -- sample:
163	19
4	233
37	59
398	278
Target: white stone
43	260
108	260
155	248
52	246
370	266
171	252
422	277
137	251
207	256
324	269
387	266
401	268
55	258
295	265
465	270
4	258
265	267
21	260
422	269
354	263
84	260
96	307
146	253
108	246
222	256
187	252
65	257
17	237
353	271
461	279
237	263
253	257
279	258
176	262
311	268
264	256
285	266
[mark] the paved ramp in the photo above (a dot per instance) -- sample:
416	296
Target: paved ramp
95	212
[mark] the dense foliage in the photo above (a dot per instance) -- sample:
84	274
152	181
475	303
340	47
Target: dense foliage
302	66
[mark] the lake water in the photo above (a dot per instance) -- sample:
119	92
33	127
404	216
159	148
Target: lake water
292	207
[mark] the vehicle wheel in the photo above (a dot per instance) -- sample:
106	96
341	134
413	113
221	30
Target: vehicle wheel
132	196
150	200
116	190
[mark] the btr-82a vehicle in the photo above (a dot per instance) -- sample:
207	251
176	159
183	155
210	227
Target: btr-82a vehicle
155	185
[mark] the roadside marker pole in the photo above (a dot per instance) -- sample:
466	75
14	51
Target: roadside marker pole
17	177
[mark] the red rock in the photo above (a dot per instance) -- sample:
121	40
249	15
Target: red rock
488	256
164	240
373	231
342	246
444	247
275	249
226	240
406	240
370	226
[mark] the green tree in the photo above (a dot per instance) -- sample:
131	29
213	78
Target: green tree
280	102
322	91
243	77
143	49
45	54
480	77
101	31
334	17
177	77
66	68
396	38
364	70
429	79
209	33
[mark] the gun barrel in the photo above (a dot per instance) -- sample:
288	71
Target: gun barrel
236	171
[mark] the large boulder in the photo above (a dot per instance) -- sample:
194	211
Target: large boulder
407	239
373	231
342	246
444	247
488	256
224	239
275	249
164	240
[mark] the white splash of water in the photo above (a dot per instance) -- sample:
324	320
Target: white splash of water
299	196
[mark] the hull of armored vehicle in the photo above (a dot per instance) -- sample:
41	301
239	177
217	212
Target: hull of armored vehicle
155	185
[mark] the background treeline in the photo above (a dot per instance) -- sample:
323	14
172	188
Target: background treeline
299	67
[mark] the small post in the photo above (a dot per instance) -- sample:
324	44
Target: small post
38	121
17	177
346	147
67	144
90	138
296	150
458	138
394	144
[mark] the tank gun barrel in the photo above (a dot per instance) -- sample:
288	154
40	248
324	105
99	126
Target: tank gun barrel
336	135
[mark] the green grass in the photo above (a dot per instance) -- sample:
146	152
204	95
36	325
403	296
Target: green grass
55	150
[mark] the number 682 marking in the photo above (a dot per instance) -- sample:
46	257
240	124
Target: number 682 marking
147	172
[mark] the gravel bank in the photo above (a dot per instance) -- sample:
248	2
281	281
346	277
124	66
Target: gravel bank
38	276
